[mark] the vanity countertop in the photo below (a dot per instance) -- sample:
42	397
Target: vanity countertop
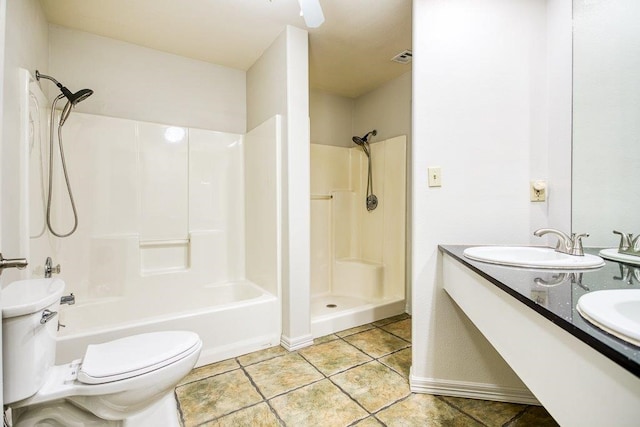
554	295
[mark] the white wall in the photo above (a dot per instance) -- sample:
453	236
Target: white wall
386	108
331	119
139	83
479	109
278	84
335	119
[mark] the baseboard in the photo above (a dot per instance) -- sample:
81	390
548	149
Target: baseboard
471	390
293	344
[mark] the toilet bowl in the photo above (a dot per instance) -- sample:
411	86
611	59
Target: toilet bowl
128	381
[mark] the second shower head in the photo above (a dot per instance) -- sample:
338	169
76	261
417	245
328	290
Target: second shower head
365	139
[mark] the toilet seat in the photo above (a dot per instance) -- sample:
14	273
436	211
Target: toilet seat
135	355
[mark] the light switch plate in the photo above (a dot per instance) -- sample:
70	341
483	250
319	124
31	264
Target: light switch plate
435	176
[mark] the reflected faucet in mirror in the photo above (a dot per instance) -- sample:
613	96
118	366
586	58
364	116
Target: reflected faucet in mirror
629	245
567	244
562	278
627	274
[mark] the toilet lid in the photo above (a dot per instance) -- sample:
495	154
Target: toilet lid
135	355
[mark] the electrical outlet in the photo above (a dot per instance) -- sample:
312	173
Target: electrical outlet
538	191
435	176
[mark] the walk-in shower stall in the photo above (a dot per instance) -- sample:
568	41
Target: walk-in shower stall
357	250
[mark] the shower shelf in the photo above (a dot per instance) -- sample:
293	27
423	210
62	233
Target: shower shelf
321	197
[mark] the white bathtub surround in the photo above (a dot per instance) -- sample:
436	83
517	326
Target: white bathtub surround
161	241
357	255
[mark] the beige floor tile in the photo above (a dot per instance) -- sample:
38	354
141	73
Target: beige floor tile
401	329
282	374
372	385
376	342
369	422
534	416
325	338
255	416
318	404
493	414
424	410
334	356
213	397
210	370
259	356
400	361
355	330
391	319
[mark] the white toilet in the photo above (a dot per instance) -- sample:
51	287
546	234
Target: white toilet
126	382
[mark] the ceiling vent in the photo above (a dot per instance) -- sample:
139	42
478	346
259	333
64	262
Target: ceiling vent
403	57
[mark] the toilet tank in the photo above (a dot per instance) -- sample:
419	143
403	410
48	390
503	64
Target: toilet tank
28	344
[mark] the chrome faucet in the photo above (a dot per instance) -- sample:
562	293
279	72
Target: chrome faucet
49	269
629	245
567	244
19	263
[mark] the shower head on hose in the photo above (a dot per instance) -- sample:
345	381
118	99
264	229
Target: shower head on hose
364	141
72	98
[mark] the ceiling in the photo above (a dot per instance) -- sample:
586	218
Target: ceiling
349	55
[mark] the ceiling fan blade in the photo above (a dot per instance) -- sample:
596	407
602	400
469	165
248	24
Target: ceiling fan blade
311	12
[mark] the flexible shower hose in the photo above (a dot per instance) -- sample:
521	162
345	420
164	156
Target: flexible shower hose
66	175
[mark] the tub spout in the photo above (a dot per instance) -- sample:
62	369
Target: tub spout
68	299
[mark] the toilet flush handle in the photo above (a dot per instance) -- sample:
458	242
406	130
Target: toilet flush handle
47	315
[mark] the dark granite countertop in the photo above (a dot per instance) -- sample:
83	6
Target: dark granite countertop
554	295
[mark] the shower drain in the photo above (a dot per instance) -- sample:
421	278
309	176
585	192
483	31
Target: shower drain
331	306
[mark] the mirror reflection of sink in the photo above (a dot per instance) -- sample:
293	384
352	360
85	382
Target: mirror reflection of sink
614	255
616	311
532	257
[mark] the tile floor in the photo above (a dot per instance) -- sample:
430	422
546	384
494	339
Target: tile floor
357	377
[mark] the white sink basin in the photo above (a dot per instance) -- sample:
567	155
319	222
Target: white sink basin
614	255
532	257
617	311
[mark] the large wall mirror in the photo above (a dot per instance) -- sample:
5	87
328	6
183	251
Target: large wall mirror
606	119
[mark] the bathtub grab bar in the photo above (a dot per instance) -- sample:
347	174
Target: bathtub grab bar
321	197
176	242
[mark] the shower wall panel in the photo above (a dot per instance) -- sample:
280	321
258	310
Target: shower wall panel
164	174
262	189
156	203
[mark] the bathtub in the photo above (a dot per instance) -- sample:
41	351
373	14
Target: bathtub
231	318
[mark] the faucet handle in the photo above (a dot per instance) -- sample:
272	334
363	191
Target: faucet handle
49	269
576	240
